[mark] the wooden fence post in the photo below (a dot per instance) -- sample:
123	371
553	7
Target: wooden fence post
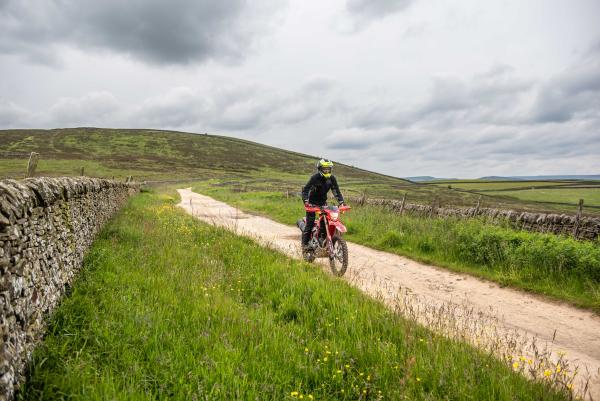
402	205
32	164
476	211
433	206
82	171
577	219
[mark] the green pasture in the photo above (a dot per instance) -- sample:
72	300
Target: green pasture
591	196
478	185
168	308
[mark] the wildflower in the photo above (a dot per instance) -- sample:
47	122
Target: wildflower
522	358
418	379
530	361
570	386
347	366
547	373
516	365
558	368
310	397
369	378
301	396
294	394
305	349
338	371
325	359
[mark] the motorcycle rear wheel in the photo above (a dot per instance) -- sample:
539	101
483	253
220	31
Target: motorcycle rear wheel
338	262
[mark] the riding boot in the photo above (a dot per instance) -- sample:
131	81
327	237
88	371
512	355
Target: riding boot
305	238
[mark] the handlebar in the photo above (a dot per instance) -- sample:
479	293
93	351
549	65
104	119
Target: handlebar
314	209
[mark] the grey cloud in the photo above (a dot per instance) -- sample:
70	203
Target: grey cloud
375	9
575	92
154	31
96	108
12	116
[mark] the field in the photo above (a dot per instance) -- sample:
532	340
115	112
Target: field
563	192
555	266
152	155
591	196
169	308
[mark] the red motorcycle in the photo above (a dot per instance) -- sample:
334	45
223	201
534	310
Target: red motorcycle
326	237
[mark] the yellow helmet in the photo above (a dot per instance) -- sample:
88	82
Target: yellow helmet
325	167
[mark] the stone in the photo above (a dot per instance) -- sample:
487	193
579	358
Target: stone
46	226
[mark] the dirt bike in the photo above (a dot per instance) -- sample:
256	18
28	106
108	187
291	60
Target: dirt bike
326	237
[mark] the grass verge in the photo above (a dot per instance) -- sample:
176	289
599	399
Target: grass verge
551	265
169	308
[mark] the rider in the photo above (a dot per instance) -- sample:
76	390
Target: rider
315	193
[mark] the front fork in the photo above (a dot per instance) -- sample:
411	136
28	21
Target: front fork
319	224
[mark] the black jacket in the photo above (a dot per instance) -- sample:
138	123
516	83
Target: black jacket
315	191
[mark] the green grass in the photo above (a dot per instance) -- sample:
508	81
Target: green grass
551	265
169	308
482	185
591	196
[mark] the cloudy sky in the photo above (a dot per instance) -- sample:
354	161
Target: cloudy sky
404	87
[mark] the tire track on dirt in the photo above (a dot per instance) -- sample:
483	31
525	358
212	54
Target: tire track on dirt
507	322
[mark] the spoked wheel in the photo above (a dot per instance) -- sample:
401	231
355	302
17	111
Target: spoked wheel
339	260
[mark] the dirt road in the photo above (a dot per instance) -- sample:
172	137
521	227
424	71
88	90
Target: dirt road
506	321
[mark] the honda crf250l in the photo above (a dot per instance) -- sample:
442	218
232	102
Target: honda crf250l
326	237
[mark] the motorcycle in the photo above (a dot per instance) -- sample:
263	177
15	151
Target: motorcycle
326	237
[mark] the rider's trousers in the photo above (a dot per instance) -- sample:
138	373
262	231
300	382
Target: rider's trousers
310	222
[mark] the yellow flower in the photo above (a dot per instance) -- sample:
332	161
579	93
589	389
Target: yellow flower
347	366
325	359
558	368
516	365
369	378
547	373
305	349
418	379
294	394
310	397
338	371
301	396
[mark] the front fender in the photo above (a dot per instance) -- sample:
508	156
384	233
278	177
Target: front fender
336	225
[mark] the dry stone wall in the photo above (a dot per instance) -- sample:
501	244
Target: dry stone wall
46	226
581	227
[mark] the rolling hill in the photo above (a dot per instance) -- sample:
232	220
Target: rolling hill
159	156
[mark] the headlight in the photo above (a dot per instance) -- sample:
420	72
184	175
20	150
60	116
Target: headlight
334	215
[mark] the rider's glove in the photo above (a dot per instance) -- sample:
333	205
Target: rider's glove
342	203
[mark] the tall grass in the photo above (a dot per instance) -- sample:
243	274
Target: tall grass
169	308
556	266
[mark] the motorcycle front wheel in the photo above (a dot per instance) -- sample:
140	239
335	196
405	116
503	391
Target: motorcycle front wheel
339	260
